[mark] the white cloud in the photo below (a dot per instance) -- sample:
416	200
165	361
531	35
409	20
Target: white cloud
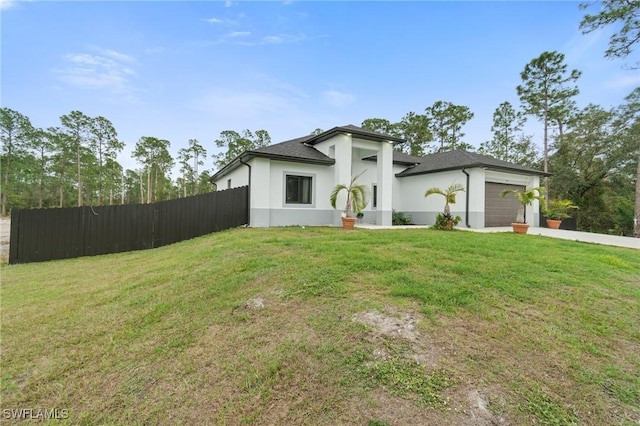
117	56
238	34
622	81
273	39
106	69
337	98
225	21
580	45
8	4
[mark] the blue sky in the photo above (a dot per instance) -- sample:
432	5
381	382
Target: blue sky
189	69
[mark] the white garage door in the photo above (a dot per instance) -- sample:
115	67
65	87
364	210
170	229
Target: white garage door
499	211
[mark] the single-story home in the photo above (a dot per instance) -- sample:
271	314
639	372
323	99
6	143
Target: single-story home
290	182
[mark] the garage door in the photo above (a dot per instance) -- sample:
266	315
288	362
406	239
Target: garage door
499	211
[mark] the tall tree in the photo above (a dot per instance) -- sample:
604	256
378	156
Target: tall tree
415	129
204	182
184	160
509	143
626	14
62	162
445	123
630	123
15	131
153	154
380	125
621	44
237	143
132	183
112	172
546	92
77	126
41	145
106	146
198	154
588	158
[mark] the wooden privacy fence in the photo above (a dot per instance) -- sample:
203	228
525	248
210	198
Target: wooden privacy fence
38	235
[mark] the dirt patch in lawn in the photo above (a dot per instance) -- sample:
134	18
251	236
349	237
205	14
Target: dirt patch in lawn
466	403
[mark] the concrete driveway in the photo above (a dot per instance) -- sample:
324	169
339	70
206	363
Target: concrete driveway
585	237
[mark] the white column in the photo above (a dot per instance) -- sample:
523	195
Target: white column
385	182
533	215
342	168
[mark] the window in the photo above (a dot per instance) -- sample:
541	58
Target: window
299	190
374	201
228	183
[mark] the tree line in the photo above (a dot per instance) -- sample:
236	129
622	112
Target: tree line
75	163
593	153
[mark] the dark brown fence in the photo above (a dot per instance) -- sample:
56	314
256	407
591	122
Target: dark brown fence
38	235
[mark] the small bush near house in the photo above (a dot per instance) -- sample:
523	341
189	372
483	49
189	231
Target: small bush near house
400	218
446	222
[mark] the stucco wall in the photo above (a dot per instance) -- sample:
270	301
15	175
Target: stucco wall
272	210
239	177
423	210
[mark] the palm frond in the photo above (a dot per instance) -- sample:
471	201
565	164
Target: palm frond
356	195
432	191
333	198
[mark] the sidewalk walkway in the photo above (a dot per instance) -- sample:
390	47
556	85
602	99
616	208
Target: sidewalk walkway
586	237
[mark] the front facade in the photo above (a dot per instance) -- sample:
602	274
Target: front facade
290	182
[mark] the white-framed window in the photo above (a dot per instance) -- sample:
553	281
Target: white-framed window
299	189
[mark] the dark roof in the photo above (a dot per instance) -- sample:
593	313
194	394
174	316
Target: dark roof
399	158
301	149
459	159
296	150
355	131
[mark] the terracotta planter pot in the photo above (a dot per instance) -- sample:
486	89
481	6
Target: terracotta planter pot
520	228
553	224
348	222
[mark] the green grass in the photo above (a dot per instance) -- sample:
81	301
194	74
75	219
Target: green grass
547	330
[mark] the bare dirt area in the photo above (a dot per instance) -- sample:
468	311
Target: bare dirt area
468	404
5	230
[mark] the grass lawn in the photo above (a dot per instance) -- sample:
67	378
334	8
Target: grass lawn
322	326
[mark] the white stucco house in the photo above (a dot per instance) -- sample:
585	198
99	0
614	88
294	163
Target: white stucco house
290	182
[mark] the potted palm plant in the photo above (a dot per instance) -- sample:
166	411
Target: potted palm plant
446	221
558	210
356	200
526	197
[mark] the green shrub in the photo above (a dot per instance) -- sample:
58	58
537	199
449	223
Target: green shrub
399	218
446	222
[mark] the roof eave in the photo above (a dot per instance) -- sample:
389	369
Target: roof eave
338	130
399	162
248	155
471	166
